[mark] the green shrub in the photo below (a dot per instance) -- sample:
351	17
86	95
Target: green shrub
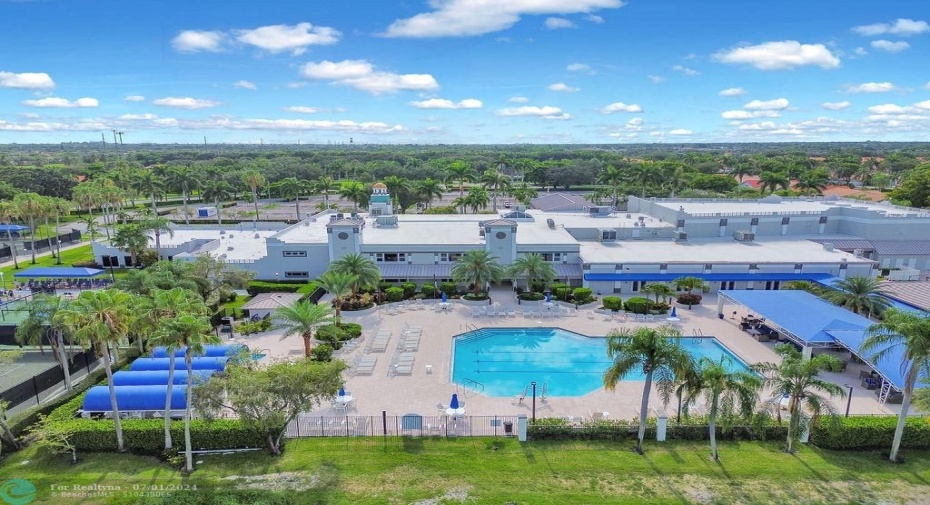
538	287
531	296
256	287
613	303
361	302
582	296
448	288
332	334
265	323
476	297
561	291
384	286
661	307
410	288
638	305
322	353
689	299
354	330
449	209
862	433
428	290
394	294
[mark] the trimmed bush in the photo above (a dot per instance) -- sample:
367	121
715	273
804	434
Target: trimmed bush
863	433
582	296
147	436
531	296
410	288
476	297
428	290
394	294
638	305
613	303
322	353
448	209
561	291
448	288
257	287
689	299
354	330
384	286
661	308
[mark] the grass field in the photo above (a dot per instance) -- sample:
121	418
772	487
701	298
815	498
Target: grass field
82	253
485	471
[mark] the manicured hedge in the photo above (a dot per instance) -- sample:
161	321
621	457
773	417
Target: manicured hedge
147	436
861	433
626	430
614	303
302	287
638	305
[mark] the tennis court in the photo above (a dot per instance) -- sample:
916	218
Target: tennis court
29	364
13	312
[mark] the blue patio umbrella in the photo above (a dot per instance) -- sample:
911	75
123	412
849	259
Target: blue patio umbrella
444	297
674	314
342	391
548	297
454	404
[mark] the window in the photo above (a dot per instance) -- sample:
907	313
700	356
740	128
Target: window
449	257
390	257
295	254
554	257
296	275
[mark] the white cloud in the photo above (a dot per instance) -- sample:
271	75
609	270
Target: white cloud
927	86
836	105
776	104
294	125
185	102
871	87
888	108
860	51
745	114
784	55
635	124
621	107
26	80
578	67
283	38
301	109
52	102
558	23
561	86
680	131
459	18
83	125
889	46
518	99
441	103
902	26
656	79
594	18
192	41
362	75
545	112
134	98
138	117
245	85
685	70
925	105
733	92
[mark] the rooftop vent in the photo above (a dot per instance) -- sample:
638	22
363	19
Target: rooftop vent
828	247
551	223
230	248
744	236
681	236
257	236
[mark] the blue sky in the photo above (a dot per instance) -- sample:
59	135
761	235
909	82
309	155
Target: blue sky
464	71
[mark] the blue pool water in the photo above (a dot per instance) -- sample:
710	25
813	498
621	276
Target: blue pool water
505	360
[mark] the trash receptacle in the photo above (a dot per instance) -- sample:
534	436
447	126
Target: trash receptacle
719	316
508	428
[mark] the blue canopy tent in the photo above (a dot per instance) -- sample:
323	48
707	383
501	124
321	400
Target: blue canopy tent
59	273
208	351
159	377
810	321
201	363
14	230
134	398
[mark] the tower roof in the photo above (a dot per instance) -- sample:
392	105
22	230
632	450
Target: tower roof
378	185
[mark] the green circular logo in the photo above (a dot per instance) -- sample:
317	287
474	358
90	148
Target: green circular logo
17	492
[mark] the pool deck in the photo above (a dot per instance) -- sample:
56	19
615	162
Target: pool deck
422	391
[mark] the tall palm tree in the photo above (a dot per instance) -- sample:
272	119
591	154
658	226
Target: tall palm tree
476	199
729	393
428	190
796	379
32	207
40	324
325	186
478	268
150	182
813	181
496	182
157	225
654	351
460	172
338	284
613	178
184	178
60	207
533	268
397	187
8	211
773	180
132	238
355	192
644	173
659	289
215	190
254	180
290	187
101	318
366	271
523	192
860	294
302	318
908	333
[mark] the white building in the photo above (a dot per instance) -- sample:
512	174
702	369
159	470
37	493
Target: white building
732	244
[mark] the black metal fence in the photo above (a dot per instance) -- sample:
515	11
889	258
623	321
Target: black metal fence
33	388
47	243
407	425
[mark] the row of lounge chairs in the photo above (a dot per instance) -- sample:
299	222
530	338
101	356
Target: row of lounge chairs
402	364
364	365
380	342
530	313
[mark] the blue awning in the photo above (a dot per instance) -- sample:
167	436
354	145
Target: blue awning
711	277
12	227
59	272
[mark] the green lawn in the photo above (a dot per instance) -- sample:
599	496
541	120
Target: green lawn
68	257
478	471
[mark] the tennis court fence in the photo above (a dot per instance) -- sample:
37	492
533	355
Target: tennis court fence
41	386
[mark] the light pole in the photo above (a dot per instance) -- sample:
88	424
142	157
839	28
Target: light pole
276	274
534	401
848	397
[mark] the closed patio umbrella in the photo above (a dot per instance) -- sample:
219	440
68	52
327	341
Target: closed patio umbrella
674	313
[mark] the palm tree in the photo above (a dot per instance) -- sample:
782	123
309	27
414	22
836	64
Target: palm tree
32	207
796	379
157	225
533	268
355	192
101	318
428	190
325	185
460	172
215	190
656	352
60	207
149	182
254	180
859	294
40	324
689	283
496	182
338	284
302	318
184	178
523	193
290	187
772	181
477	268
476	199
907	333
808	286
397	186
728	393
644	173
613	178
659	289
8	211
132	238
814	181
366	271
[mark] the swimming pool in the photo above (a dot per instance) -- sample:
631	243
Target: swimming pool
505	360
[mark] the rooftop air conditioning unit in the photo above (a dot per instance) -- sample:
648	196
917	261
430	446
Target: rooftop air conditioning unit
681	236
744	236
858	253
828	247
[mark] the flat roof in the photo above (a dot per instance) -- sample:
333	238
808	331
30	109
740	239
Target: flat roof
713	250
304	232
785	206
615	220
245	244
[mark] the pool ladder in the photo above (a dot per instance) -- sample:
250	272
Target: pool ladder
472	384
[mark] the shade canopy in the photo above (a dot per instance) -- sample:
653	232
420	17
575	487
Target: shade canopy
158	377
12	228
454	403
59	272
202	363
208	351
134	398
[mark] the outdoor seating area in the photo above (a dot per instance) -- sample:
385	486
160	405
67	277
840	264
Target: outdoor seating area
380	342
530	312
756	328
363	365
